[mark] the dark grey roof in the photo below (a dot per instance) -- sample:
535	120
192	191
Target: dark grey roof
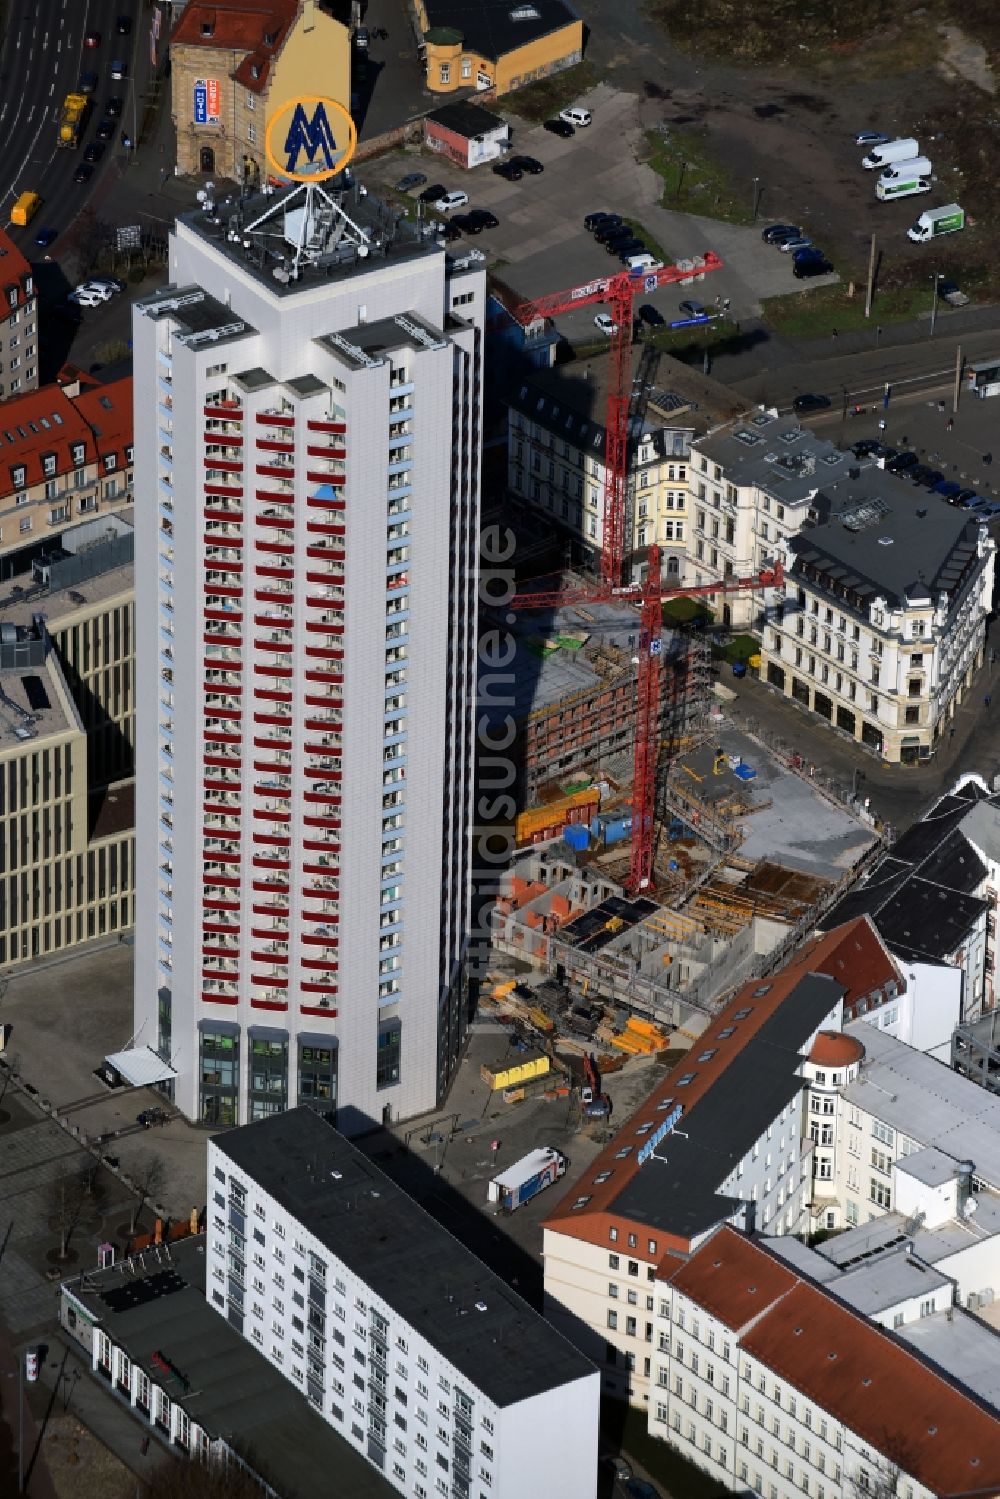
920	896
468	120
681	1195
572	402
877	536
488	26
427	1276
233	1392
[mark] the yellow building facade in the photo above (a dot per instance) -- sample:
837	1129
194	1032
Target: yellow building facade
498	47
234	65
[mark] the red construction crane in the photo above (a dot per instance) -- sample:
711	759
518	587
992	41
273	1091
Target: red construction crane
650	594
619	292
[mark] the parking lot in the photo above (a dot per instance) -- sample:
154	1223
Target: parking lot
541	245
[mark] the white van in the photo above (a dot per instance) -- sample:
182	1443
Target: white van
920	166
576	116
645	262
901	150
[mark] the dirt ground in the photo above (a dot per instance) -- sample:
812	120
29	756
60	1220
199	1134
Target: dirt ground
80	1466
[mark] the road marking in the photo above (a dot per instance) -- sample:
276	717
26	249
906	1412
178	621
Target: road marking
31	115
46	41
52	89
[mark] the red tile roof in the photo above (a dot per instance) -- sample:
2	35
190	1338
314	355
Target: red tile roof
14	272
851	953
239	26
834	1049
852	1368
47	422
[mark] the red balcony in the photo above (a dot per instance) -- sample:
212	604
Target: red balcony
261	812
216	736
224	689
326	798
222	517
216	438
273	840
272	671
227	543
278	646
278	548
272	572
277	522
276	444
275	768
326	450
233	490
271	595
324	702
277	890
228	411
319	964
313	939
268	1004
278	720
208	785
321	627
319	846
268	908
321	773
217	952
322	504
232	465
224	929
215	904
316	675
311	894
221	975
278	496
266	861
317	476
325	528
315	426
222	999
323	871
276	470
326	820
283	793
275	419
326	652
267	981
215	639
224	565
280	959
272	695
282	742
225	591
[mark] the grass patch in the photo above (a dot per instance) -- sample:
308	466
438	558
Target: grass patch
686	611
541	100
811	314
653	246
692	180
745	31
737	648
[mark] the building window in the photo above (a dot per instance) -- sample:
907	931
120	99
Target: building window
445	72
466	67
318	1075
219	1076
268	1076
251	132
387	1065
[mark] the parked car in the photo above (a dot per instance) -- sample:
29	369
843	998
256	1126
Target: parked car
810	402
432	193
91	40
593	221
803	268
448	202
86	288
624	248
606	323
449	231
808	252
868	447
84	298
962	496
619	1467
559	127
508	170
105	130
410	181
871	138
527	164
94	151
971	501
925	476
467	223
45	237
577	116
108	283
484	217
83	173
611	228
775	232
988	509
362	38
788	246
638	1488
691	308
651	316
901	462
948	489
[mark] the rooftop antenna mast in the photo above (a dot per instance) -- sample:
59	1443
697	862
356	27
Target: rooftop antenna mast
314	200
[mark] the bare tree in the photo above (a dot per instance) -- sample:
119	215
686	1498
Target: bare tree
11	1064
66	1199
877	1479
148	1174
215	1479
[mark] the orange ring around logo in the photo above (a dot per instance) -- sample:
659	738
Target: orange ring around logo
309	142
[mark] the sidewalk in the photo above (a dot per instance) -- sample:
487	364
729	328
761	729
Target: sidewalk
37	1479
71	1387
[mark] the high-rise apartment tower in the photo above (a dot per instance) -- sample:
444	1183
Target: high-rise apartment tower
307	471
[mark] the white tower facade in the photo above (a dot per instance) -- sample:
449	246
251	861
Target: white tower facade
307	472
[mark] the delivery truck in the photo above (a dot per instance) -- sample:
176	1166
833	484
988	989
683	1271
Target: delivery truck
917	166
935	221
902	187
25	208
519	1183
901	150
71	120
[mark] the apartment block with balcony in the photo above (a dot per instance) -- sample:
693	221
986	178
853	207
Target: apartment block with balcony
310	498
419	1357
883	624
18	322
65	456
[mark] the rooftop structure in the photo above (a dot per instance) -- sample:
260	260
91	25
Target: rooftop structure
494	44
776	455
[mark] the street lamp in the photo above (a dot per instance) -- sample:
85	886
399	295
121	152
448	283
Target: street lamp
756	197
19	1376
938	277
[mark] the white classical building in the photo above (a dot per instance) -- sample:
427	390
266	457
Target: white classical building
418	1356
776	1384
308	432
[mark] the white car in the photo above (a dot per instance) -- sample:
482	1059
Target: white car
451	201
104	292
86	296
576	116
109	284
606	323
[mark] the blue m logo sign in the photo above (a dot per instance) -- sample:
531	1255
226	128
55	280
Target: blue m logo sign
314	138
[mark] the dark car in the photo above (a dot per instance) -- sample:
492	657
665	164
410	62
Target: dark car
611	228
638	1488
527	164
924	475
509	170
91	40
963	498
803	268
595	220
948	489
44	237
83	173
810	402
484	217
901	462
868	447
808	252
652	315
450	230
123	25
467	223
105	130
94	151
88	83
113	108
410	181
775	233
625	247
432	193
559	127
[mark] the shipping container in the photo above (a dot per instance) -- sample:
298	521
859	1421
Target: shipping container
510	1074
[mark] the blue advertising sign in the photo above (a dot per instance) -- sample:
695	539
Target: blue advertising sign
200	103
661	1131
